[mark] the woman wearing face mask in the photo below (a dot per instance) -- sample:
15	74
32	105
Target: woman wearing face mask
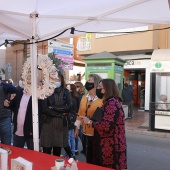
80	89
109	136
72	117
55	109
88	105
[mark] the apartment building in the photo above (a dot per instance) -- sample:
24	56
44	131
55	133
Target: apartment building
135	45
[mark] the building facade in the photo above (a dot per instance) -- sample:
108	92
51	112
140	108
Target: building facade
12	59
136	48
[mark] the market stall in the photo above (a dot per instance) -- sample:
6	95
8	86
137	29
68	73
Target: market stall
36	21
160	93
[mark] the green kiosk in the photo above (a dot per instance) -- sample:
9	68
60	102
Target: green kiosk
106	65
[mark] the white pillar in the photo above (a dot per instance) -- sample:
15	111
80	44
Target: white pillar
33	52
147	88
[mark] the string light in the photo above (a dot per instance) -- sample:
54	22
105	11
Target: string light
7	43
73	30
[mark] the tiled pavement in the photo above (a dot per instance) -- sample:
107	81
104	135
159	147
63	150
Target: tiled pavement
139	124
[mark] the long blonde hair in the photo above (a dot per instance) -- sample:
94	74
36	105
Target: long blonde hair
80	85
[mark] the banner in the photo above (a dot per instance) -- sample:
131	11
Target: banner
64	52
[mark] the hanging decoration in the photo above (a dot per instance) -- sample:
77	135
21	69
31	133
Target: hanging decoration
49	78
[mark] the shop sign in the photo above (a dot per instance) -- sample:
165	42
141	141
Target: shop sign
62	51
133	62
160	66
137	64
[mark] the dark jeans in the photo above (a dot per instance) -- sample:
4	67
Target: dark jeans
5	131
84	143
19	141
130	108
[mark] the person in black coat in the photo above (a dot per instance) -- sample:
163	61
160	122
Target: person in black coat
54	120
128	97
21	105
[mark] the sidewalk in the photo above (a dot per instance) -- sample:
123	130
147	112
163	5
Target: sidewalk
139	124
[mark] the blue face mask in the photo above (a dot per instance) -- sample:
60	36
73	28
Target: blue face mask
58	84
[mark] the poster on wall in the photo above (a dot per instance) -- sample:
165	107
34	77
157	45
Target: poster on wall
62	51
84	43
2	73
118	80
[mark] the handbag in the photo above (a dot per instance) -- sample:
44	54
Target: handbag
97	115
71	119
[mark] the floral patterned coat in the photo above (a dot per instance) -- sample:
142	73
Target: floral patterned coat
109	137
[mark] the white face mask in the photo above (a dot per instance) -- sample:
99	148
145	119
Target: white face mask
58	84
68	87
21	84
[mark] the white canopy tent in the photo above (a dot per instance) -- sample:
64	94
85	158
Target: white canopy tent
37	20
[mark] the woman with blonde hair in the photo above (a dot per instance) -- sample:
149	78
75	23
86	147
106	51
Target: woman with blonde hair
81	91
79	87
88	105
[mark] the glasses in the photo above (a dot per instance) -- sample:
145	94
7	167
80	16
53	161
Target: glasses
89	103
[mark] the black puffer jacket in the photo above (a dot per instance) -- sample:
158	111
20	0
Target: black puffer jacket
57	105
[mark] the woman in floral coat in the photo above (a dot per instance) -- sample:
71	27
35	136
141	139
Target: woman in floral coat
109	138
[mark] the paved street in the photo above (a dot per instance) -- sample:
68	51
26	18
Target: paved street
145	152
148	152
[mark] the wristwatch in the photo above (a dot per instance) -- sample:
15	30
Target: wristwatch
89	121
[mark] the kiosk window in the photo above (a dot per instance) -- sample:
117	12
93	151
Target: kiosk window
162	109
162	91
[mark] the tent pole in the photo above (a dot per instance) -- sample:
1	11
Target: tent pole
33	52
